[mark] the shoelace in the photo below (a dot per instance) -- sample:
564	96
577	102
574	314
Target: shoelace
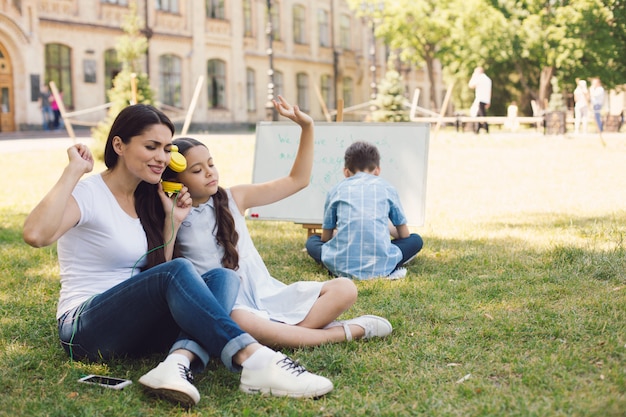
291	366
185	373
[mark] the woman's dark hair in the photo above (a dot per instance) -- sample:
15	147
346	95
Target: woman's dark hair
133	121
224	230
361	156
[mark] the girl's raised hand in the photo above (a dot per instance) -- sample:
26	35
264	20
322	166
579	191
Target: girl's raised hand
292	112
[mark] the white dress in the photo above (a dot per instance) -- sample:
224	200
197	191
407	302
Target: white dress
259	293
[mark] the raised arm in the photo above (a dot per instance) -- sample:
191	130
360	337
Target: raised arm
254	195
57	212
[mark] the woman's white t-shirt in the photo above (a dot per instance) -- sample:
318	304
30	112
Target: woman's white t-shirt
104	248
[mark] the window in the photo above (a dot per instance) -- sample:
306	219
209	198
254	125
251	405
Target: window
326	88
302	86
348	92
276	20
323	27
279	85
59	70
215	9
251	89
170	80
344	32
170	6
299	21
118	2
112	67
247	18
216	70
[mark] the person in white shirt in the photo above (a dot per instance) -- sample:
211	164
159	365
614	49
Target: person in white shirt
481	83
581	106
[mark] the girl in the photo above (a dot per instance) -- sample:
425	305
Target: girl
119	296
215	234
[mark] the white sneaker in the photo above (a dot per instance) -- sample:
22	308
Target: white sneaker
374	326
172	380
284	377
397	274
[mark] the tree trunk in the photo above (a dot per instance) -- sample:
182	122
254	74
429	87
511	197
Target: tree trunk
545	88
434	100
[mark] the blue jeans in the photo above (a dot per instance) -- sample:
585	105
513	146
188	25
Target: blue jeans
48	117
167	307
409	247
597	112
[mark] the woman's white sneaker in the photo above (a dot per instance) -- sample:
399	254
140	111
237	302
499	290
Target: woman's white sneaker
172	381
284	377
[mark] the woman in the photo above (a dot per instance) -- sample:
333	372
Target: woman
120	295
215	235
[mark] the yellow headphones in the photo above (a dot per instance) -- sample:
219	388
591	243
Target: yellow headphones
178	163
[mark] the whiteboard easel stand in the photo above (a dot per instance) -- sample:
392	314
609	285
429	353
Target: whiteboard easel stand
444	106
321	100
192	106
66	120
133	88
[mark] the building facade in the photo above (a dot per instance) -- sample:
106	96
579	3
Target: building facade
313	52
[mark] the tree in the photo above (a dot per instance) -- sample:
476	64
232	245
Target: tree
390	99
131	48
416	28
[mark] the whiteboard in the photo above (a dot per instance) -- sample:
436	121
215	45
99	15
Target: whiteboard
403	151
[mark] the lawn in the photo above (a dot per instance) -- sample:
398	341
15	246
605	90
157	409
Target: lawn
515	307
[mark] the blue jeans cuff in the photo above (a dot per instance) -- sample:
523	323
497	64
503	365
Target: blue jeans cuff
193	347
234	346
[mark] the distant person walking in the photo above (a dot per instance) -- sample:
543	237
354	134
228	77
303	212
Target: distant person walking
56	123
44	105
596	93
581	106
482	84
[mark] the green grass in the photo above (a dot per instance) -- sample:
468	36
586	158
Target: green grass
515	307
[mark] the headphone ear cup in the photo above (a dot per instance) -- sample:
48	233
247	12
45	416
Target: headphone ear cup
178	163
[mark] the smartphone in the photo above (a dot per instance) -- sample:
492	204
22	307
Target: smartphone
106	381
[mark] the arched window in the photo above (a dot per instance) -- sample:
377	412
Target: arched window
323	26
216	71
326	88
302	87
170	6
251	89
170	80
299	24
345	32
59	70
275	12
279	84
247	19
348	91
215	9
112	67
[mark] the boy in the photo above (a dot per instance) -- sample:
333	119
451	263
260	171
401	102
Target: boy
360	213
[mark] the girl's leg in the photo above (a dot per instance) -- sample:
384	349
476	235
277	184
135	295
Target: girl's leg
336	296
275	334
